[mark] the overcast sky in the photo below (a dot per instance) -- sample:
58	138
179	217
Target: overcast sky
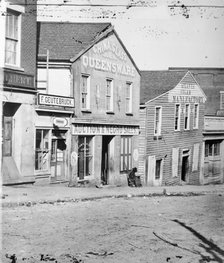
157	33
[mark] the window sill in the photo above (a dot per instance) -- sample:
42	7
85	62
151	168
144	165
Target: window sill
110	112
157	137
86	111
129	114
14	67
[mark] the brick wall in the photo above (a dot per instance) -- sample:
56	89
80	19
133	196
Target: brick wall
28	38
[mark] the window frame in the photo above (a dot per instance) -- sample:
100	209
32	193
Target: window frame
158	176
110	95
187	117
126	144
42	149
177	117
157	128
196	120
16	38
87	140
128	98
87	92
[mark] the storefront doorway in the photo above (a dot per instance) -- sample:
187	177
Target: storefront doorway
185	166
105	159
58	156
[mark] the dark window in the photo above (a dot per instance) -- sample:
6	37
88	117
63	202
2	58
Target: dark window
158	169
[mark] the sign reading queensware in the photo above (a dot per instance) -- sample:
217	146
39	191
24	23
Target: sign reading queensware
44	99
108	56
104	129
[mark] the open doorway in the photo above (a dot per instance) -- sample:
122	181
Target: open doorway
185	166
105	159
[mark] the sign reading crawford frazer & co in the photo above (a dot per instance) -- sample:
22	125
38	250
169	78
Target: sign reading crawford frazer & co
45	99
17	79
100	129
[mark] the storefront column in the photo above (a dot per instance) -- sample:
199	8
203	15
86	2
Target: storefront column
97	158
74	161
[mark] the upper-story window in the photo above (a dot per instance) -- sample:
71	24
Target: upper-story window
196	113
177	117
158	121
187	117
12	38
85	92
128	98
109	95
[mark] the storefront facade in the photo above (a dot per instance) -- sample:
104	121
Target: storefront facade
105	130
53	138
213	150
17	69
172	126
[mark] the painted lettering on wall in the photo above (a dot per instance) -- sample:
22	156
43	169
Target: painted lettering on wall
106	65
106	45
104	129
186	93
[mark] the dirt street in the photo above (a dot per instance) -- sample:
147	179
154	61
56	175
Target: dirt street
146	229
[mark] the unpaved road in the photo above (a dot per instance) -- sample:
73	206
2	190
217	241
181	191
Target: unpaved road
154	229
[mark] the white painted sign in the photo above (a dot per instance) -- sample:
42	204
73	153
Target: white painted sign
60	122
104	129
52	100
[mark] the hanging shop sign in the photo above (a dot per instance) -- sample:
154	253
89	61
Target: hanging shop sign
17	79
44	99
96	129
60	122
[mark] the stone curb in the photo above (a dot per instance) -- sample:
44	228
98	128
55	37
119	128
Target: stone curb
84	199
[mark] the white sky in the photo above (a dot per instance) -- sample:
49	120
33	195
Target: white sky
157	33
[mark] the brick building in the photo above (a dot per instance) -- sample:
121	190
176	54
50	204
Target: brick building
172	119
89	63
18	70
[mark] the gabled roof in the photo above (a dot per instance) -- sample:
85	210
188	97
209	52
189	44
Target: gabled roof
65	40
156	83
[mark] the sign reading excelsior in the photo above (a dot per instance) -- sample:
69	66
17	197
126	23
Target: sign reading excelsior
44	99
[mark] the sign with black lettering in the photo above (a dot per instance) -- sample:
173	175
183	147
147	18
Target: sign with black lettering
45	99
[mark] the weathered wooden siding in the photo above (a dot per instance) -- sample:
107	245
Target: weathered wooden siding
142	144
183	139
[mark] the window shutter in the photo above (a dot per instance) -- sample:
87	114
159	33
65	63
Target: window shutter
151	168
195	157
175	158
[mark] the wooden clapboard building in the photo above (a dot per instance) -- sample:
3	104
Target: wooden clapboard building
172	119
18	90
86	62
211	80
